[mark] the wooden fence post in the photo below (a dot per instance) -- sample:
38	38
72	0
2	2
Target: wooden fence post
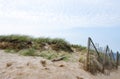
88	61
111	59
104	60
95	47
117	60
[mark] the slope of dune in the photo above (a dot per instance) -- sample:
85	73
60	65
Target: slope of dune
14	66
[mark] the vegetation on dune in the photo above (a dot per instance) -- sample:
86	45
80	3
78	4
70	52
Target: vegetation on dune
49	48
78	47
15	38
60	44
28	52
55	44
51	55
22	42
42	40
16	42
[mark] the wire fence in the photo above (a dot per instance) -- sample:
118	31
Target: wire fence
101	59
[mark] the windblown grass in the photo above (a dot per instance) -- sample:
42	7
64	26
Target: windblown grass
78	47
15	38
28	52
30	46
23	42
54	55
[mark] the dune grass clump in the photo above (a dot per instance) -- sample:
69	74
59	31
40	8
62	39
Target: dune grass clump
60	44
40	43
10	50
15	42
53	55
56	44
42	40
78	47
15	38
28	52
48	55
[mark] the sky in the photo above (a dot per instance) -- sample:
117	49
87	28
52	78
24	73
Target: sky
73	20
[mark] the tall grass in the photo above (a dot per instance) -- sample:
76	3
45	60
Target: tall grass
23	41
13	38
78	47
60	44
42	40
54	55
28	52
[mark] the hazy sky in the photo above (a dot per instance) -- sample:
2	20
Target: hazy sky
74	20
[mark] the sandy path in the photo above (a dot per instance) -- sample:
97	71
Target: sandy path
13	66
113	75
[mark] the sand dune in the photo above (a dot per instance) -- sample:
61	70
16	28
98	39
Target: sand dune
14	66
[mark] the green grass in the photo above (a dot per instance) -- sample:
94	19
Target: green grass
28	52
78	47
42	40
10	51
48	55
54	55
15	38
66	57
24	41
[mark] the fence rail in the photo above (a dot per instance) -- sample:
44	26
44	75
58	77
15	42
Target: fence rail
99	61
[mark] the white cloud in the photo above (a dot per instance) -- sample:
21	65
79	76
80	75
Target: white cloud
50	15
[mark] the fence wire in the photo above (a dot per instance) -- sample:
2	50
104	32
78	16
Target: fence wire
100	59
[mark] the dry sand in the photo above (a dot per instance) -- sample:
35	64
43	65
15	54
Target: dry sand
14	66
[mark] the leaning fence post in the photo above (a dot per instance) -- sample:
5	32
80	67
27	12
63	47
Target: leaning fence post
95	47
